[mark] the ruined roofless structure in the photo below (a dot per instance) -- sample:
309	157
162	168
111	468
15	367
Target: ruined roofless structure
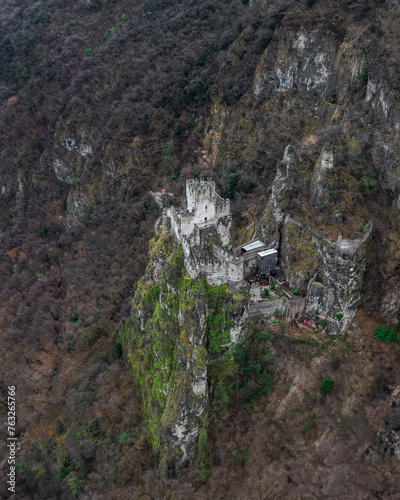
201	228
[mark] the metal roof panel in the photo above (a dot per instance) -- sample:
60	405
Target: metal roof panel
267	252
253	245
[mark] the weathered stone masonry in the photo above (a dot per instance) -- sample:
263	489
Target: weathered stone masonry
201	227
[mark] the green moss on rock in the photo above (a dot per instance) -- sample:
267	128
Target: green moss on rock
178	325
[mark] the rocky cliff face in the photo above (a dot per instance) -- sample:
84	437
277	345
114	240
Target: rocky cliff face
179	326
304	59
330	273
316	102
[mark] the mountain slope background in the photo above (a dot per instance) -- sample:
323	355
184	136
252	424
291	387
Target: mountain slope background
103	103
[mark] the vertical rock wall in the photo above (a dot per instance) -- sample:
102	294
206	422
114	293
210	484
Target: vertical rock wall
177	323
329	273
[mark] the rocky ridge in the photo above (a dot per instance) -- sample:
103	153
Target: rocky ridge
179	326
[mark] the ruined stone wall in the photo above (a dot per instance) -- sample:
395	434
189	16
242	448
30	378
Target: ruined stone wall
289	308
174	223
184	243
261	309
205	251
214	270
203	202
217	271
187	223
235	270
223	228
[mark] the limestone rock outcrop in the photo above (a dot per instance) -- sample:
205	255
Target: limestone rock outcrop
178	324
330	273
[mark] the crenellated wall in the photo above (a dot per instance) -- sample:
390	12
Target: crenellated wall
223	269
204	203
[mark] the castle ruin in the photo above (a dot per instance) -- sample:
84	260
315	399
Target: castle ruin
201	228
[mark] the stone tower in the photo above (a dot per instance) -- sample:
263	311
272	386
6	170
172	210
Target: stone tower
201	227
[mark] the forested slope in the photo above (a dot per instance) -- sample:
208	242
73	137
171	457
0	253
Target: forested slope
105	102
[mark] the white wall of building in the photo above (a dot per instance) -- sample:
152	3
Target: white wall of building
204	207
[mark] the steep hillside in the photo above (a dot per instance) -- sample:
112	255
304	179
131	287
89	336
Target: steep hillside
292	108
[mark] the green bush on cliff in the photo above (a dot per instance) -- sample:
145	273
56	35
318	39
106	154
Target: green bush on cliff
76	484
308	425
265	383
167	149
23	470
64	461
225	95
190	122
269	357
362	78
239	352
335	362
368	185
217	331
243	454
123	437
387	335
202	445
204	474
73	316
327	386
265	336
118	350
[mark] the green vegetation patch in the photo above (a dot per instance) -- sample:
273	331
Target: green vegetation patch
204	474
73	316
202	447
162	344
123	437
368	184
335	362
217	331
118	350
387	335
255	366
327	386
242	454
362	78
